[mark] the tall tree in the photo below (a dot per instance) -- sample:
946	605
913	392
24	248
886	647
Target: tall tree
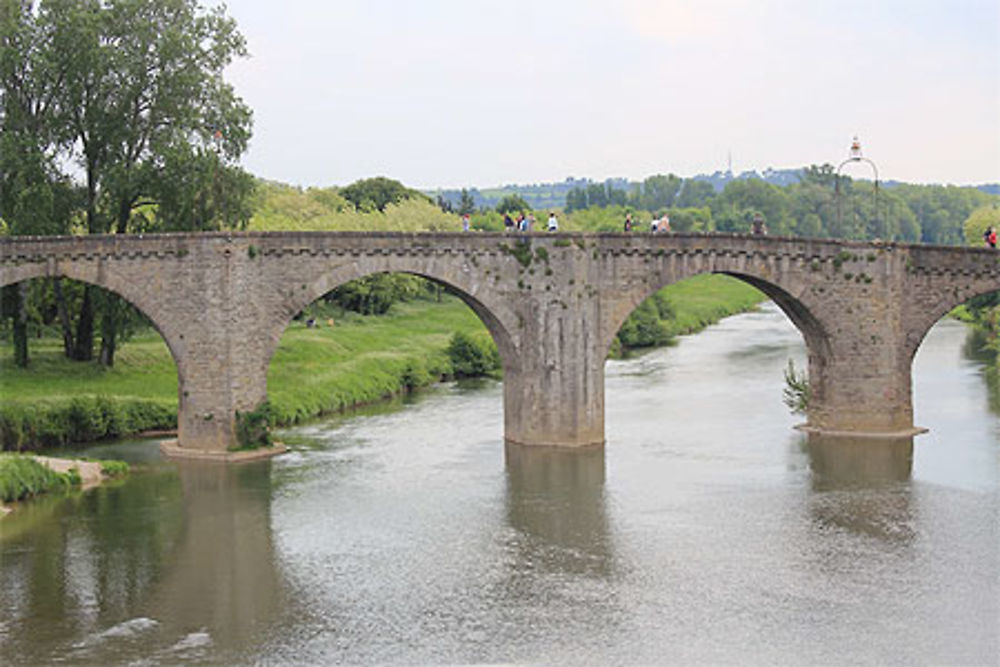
466	203
33	199
150	119
659	191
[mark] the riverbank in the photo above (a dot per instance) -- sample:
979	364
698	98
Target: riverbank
25	476
315	370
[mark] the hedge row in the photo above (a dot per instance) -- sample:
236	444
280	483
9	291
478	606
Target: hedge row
25	427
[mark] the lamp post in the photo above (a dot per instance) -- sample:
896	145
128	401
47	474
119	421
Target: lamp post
856	156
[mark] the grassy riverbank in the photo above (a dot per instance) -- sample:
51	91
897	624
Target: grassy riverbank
314	371
22	477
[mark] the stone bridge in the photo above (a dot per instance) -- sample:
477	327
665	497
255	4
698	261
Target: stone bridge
552	302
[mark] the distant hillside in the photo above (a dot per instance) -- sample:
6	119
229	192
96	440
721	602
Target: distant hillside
553	195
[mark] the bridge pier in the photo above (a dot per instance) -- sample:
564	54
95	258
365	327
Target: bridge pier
554	387
861	384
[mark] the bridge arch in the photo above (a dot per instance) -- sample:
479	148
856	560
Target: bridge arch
933	307
124	287
812	329
493	315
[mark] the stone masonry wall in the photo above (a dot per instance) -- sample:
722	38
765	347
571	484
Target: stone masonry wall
552	302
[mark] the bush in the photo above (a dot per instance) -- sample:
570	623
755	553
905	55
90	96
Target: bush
253	428
644	328
473	356
113	468
796	392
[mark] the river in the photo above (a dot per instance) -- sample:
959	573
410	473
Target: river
706	531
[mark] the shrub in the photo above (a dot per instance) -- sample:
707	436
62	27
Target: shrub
644	328
473	356
80	419
113	468
253	428
796	392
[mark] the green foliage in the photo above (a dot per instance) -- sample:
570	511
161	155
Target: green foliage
513	204
23	476
286	208
978	221
521	251
116	118
694	194
59	422
253	427
644	327
690	219
373	295
375	194
113	469
796	392
473	356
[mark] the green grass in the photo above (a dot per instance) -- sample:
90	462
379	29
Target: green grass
22	477
314	370
706	299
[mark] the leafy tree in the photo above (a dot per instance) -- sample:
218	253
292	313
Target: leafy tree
466	204
34	199
659	191
373	295
576	199
143	107
374	194
694	193
597	195
977	223
513	204
824	175
734	208
691	219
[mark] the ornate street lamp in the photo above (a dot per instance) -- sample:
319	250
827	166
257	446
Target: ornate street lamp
856	156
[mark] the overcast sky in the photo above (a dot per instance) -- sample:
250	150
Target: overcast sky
452	93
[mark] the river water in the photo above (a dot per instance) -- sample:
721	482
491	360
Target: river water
706	531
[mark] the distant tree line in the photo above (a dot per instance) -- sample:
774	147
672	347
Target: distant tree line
818	205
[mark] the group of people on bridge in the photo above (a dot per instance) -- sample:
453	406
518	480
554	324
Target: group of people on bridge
526	223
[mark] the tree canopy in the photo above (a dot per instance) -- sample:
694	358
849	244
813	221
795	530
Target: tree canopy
115	117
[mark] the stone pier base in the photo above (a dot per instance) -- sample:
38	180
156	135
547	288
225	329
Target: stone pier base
171	450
